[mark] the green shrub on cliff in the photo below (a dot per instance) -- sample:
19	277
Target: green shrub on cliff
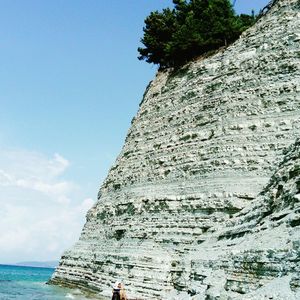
175	36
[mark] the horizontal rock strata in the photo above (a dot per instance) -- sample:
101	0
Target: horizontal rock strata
256	254
181	213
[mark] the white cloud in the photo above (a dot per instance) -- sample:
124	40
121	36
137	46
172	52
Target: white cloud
5	179
58	165
41	212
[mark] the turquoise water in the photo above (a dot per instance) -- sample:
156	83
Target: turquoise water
26	283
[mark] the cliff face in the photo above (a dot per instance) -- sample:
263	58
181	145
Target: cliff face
189	209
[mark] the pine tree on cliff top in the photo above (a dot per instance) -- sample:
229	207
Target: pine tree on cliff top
175	36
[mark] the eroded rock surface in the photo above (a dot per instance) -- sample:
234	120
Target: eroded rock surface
188	210
256	254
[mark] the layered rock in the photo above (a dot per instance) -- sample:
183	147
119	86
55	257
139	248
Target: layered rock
256	255
186	188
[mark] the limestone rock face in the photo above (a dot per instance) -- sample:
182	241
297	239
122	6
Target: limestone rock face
203	200
258	250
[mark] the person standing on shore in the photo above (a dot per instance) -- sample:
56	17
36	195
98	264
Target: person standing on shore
123	292
116	291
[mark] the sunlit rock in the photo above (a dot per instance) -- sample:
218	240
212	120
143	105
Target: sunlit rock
203	201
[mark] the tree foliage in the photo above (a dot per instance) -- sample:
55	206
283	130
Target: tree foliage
193	27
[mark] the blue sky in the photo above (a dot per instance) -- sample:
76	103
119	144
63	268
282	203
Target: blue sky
70	84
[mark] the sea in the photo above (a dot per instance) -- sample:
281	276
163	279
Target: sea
29	283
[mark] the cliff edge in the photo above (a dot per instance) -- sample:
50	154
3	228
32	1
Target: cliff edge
203	200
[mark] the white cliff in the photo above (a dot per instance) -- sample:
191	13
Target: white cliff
203	200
